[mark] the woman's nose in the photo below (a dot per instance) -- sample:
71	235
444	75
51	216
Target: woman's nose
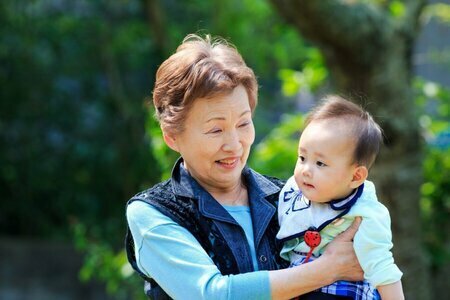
231	142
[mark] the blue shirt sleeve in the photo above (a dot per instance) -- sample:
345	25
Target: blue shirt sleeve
172	256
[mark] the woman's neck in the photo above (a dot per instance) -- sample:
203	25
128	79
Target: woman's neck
232	197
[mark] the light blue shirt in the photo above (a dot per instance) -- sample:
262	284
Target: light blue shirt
172	256
243	216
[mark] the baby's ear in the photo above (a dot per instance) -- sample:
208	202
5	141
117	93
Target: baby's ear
359	176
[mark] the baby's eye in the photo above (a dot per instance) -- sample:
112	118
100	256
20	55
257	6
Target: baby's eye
320	164
301	158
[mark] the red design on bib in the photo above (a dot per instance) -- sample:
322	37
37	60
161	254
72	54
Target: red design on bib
312	239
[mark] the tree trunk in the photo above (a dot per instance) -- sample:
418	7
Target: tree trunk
368	53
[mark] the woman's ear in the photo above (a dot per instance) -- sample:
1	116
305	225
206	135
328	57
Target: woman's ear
170	141
359	175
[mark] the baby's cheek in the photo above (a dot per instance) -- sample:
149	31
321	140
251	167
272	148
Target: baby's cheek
297	177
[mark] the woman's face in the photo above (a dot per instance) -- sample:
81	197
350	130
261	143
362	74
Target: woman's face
216	141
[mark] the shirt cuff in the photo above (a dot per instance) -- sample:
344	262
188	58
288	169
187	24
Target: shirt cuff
255	286
386	276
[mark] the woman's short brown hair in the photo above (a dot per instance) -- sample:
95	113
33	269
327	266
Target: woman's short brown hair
200	68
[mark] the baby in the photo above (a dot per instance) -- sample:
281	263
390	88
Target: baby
328	190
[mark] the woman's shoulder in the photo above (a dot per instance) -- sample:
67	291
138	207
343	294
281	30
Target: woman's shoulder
277	181
163	187
145	215
137	209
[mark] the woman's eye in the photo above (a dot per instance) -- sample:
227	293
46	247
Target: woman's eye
215	130
320	164
244	124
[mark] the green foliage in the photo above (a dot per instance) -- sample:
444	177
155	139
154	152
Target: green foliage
397	9
73	143
276	154
434	102
310	78
163	154
72	135
105	264
438	11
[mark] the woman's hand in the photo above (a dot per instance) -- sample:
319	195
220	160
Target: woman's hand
341	255
339	262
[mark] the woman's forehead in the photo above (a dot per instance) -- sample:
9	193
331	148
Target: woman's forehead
223	106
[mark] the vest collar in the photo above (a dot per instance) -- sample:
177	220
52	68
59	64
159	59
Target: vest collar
258	188
262	211
184	185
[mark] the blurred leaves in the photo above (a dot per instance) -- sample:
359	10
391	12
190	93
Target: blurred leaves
276	154
163	154
397	9
439	11
434	102
309	78
103	263
73	79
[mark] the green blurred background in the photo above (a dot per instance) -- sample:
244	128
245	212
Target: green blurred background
78	137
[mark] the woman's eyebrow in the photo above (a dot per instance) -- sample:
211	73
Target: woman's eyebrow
220	118
245	112
215	118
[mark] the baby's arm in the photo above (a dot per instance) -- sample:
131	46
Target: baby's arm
373	243
393	291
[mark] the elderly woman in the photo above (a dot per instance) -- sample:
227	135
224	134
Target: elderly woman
209	231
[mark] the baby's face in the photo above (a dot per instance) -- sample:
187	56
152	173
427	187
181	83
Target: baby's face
325	167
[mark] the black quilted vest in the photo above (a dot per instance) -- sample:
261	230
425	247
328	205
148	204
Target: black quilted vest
183	200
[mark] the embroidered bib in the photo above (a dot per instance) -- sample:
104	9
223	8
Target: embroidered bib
296	213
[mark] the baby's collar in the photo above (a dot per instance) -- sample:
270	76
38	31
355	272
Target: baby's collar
347	202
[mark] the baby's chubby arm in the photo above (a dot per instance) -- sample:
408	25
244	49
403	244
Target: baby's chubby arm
373	242
393	291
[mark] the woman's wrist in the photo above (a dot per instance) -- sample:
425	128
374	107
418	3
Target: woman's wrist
299	280
328	269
